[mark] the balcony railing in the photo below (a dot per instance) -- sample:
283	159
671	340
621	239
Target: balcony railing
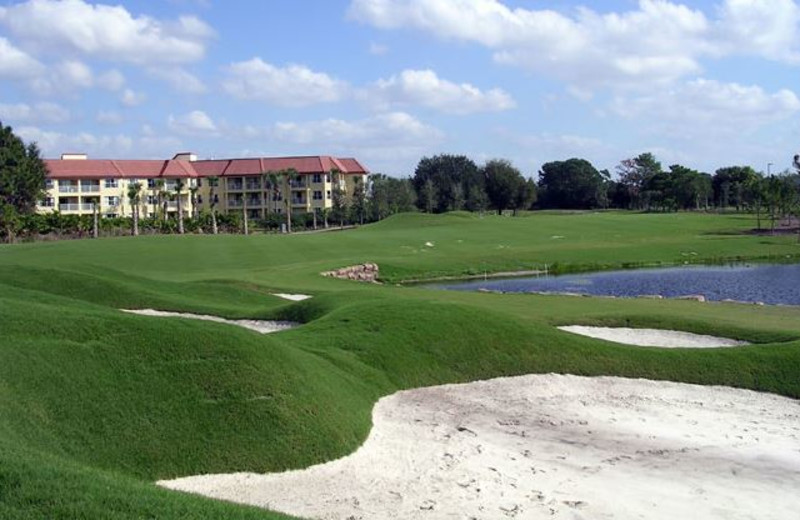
69	207
90	188
253	186
235	203
298	184
68	189
235	186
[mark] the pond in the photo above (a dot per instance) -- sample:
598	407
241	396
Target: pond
772	284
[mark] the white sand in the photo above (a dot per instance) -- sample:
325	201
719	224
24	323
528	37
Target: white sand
262	326
653	337
550	446
292	297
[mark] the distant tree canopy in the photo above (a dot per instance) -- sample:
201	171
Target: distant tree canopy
572	184
730	185
446	183
506	188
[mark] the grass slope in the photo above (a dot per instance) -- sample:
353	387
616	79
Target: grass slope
96	404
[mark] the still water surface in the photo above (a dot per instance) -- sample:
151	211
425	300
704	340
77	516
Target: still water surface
771	284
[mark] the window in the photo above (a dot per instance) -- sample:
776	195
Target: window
152	199
112	201
111	215
317	178
329	195
328	178
111	183
48	202
199	183
48	184
317	195
151	183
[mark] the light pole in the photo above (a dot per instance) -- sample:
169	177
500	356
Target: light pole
769	169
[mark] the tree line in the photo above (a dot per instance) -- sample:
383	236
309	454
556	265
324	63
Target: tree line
440	183
454	182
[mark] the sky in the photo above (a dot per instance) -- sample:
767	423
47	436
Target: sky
705	84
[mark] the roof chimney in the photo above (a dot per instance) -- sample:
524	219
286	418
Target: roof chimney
185	156
73	156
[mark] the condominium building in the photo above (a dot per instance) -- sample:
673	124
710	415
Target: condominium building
262	185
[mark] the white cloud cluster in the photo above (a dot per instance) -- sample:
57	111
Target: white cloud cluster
53	143
424	88
17	64
658	42
710	106
37	113
394	129
291	86
105	31
194	123
180	80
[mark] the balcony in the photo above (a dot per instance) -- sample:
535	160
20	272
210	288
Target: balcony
70	188
69	207
235	186
253	185
90	188
233	203
298	185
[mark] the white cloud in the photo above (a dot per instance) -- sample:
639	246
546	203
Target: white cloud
705	107
53	144
291	86
656	43
111	80
180	80
63	78
105	31
390	142
769	28
425	88
16	64
376	49
37	113
109	117
131	98
195	123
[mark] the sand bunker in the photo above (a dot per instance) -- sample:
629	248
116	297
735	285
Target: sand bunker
292	297
550	446
653	337
262	326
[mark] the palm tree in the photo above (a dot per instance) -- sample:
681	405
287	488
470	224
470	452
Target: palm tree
213	199
179	185
244	214
134	196
289	176
158	188
194	200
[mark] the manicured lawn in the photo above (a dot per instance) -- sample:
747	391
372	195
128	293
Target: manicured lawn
96	404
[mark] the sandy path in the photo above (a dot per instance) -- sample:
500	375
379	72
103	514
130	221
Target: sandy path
262	326
550	446
653	337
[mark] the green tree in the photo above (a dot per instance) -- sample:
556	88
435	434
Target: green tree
135	199
179	185
503	184
359	206
571	184
730	185
440	181
338	199
634	173
22	178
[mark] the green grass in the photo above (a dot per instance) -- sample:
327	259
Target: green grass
96	404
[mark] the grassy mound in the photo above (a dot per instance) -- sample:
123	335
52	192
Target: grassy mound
96	404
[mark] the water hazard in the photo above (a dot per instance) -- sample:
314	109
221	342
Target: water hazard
772	284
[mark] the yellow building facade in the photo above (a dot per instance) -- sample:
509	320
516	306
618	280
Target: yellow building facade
78	185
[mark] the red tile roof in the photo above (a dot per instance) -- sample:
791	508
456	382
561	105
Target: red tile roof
147	169
126	169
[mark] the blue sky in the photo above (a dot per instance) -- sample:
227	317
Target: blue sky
704	84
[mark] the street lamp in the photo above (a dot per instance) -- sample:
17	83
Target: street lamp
769	168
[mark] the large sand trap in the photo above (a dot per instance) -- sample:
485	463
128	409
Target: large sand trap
653	337
550	446
262	326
